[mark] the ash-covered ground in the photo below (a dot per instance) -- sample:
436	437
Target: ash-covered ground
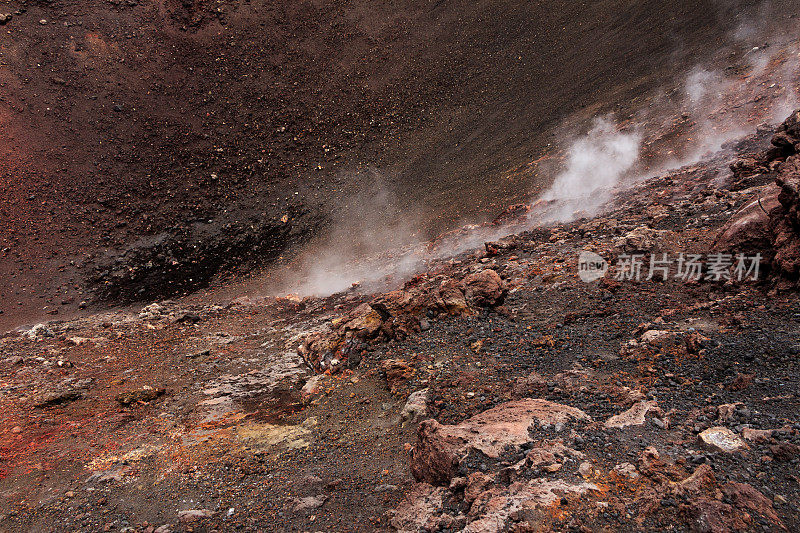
495	391
521	374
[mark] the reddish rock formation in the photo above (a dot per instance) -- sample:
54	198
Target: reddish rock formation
748	229
397	372
785	220
777	233
397	314
725	509
484	288
440	448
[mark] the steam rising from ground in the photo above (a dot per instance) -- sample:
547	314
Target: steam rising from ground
375	242
759	86
372	237
710	109
594	164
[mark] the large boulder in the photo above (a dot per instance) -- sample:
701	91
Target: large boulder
450	298
748	229
484	288
441	448
785	220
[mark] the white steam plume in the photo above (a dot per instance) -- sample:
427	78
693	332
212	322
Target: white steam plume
372	237
595	163
375	243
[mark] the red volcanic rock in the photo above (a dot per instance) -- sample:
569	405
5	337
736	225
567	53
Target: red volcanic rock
785	220
435	457
746	166
419	509
396	315
400	311
484	288
787	135
397	371
440	448
748	229
785	451
746	497
722	509
451	298
773	225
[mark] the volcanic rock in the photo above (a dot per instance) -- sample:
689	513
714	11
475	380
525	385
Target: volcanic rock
39	331
787	136
397	372
418	508
145	394
397	314
363	321
748	229
785	220
311	388
57	397
635	416
784	451
484	288
642	239
494	507
721	509
451	298
441	448
722	439
191	515
659	338
416	406
68	391
757	435
308	503
281	383
626	470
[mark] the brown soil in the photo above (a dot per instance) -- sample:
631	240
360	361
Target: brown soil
125	122
234	438
208	412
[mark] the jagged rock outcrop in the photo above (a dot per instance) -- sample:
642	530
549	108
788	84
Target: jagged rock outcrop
771	223
441	448
466	480
748	229
397	314
494	472
785	219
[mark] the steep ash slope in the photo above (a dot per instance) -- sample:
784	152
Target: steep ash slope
127	124
496	391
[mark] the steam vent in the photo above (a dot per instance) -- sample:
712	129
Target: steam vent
422	267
